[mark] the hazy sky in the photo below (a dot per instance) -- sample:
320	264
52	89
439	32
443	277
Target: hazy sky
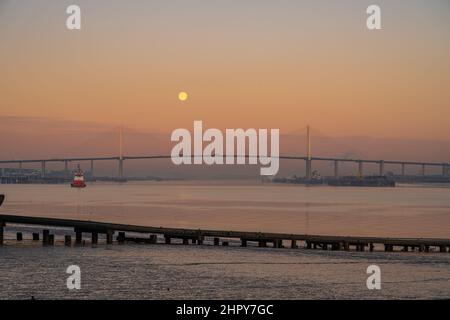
248	63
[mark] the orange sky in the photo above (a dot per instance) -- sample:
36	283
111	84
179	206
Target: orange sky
280	64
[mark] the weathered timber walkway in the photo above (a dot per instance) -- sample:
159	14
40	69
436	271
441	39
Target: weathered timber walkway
220	237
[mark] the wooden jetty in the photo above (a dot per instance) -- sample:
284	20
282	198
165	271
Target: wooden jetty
217	237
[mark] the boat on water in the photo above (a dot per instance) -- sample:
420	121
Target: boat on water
366	181
78	179
346	181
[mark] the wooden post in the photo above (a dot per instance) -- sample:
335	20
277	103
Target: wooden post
405	248
67	240
121	237
94	238
324	246
225	243
19	236
2	225
336	246
371	247
109	236
78	237
346	246
51	239
35	236
262	243
308	245
45	237
167	239
421	248
277	243
194	241
200	240
216	241
442	248
153	239
185	241
294	244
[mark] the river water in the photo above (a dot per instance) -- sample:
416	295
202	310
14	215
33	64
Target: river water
170	272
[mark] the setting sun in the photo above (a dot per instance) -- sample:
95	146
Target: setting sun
182	96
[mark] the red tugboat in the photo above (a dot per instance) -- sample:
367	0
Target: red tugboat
78	179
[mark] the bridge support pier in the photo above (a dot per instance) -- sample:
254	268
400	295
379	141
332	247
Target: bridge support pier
403	169
66	168
92	170
308	169
382	168
120	168
360	169
42	169
216	241
423	170
35	236
336	168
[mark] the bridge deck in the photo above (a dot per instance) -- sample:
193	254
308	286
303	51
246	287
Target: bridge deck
285	157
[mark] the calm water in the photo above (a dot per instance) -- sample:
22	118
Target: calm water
160	271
